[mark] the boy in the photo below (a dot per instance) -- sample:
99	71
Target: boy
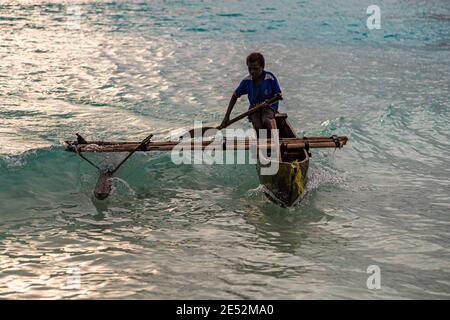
260	85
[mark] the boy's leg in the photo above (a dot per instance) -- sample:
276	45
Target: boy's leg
255	119
269	123
268	120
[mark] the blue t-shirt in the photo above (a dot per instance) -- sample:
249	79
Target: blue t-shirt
266	89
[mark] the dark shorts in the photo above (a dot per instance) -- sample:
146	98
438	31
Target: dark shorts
262	119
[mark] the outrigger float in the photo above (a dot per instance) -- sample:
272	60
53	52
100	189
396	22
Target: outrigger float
286	187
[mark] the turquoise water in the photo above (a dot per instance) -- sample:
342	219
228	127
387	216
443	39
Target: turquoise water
129	68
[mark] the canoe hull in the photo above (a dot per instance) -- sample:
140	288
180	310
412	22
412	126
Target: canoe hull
288	186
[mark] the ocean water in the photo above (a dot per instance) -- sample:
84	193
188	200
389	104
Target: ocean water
119	70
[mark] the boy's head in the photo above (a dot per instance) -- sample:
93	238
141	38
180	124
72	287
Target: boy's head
255	64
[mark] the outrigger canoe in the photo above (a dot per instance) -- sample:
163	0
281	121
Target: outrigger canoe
286	187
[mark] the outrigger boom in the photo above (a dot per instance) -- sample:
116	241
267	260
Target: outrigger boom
285	143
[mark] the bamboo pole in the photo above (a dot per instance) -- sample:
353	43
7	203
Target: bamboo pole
288	143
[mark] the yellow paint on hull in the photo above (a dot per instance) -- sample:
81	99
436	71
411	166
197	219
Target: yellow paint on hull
288	185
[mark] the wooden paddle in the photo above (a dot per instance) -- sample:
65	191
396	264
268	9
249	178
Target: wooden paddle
256	108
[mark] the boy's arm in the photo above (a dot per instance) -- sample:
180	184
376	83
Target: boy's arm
276	86
230	108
